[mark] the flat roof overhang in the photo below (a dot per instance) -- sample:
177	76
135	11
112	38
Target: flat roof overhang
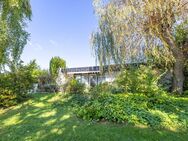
86	72
82	70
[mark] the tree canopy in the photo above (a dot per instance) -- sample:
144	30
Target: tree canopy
13	37
134	30
56	63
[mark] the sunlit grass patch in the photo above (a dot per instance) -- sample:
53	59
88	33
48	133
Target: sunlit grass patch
13	120
48	114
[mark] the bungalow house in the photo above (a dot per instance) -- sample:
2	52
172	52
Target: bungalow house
92	75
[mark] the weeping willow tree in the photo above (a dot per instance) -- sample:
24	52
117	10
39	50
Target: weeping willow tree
14	15
140	30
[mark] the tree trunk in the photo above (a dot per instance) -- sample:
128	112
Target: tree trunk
178	67
178	72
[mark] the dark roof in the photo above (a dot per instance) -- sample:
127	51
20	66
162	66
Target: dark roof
96	69
93	69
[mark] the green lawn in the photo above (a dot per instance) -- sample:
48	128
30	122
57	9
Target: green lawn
42	118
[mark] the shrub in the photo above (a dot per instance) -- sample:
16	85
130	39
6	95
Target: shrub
186	76
117	90
143	79
46	83
104	88
100	89
73	86
15	86
76	100
185	93
50	88
166	81
7	98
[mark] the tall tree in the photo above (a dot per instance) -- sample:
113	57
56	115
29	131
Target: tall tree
131	28
14	15
56	63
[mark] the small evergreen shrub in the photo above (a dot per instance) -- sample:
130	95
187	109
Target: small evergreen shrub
142	79
100	89
73	86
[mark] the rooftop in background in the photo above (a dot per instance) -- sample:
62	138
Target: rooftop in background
97	69
82	70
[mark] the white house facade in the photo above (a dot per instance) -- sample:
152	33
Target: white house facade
90	75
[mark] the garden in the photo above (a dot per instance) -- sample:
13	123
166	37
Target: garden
144	43
130	108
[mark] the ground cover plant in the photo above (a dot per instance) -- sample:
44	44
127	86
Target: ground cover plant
159	111
48	117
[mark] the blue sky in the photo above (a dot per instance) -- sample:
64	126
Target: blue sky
61	28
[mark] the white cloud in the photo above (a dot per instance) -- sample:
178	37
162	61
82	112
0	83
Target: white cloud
54	43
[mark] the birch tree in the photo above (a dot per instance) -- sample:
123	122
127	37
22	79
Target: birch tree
14	16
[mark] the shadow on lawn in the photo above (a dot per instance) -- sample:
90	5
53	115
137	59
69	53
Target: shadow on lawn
44	119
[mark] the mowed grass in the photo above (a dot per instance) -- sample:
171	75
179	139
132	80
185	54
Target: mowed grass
49	117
